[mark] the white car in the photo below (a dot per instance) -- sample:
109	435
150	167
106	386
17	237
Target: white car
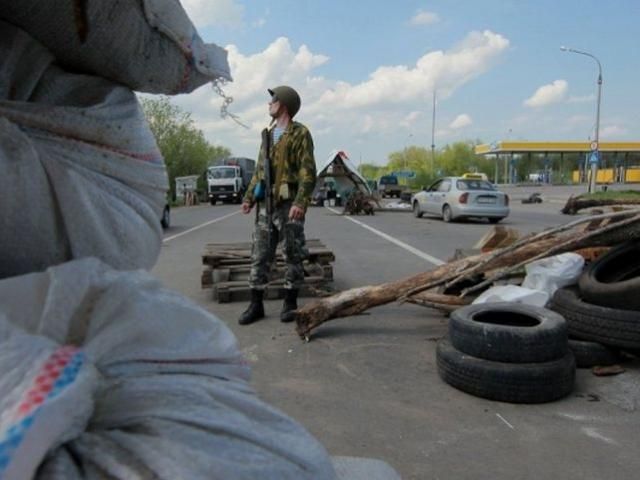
455	198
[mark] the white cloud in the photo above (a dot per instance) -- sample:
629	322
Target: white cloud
612	131
204	13
384	105
424	18
461	121
548	94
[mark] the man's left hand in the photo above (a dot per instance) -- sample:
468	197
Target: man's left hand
296	213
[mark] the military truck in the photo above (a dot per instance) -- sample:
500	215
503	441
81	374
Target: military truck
228	178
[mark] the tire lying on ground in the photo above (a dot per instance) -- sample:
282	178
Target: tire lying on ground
507	382
609	326
613	280
592	354
509	332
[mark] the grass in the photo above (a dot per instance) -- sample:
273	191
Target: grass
614	195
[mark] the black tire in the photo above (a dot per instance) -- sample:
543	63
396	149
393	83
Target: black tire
506	382
165	221
592	354
447	216
613	280
495	220
509	332
416	210
609	326
212	200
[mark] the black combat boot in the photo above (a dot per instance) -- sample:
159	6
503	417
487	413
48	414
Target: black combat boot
255	311
289	305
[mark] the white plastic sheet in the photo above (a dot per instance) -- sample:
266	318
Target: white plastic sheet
155	386
551	273
80	171
513	293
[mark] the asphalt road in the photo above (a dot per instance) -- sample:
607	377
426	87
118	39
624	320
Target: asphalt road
368	386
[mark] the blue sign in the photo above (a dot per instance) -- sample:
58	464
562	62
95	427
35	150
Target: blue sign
594	158
404	174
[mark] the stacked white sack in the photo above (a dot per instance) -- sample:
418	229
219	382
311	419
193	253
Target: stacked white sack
147	45
80	171
132	382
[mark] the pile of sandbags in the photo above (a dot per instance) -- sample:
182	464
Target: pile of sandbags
104	374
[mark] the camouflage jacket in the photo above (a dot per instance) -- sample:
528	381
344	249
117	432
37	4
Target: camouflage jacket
293	167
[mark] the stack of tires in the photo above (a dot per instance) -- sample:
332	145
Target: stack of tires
603	311
508	352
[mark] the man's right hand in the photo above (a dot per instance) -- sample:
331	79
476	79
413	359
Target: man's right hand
246	207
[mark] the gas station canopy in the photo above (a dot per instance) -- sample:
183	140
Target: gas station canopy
555	147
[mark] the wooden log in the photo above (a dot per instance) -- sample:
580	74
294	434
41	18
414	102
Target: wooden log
503	261
575	204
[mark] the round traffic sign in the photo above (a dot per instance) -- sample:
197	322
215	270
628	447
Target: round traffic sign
594	146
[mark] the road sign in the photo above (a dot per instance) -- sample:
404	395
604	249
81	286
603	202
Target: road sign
404	174
594	146
594	158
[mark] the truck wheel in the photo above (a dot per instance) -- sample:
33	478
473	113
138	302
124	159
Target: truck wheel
593	354
609	326
212	200
506	382
508	332
447	216
613	280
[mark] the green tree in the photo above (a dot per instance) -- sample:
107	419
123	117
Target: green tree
183	146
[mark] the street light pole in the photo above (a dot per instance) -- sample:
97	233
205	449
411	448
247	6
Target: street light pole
433	132
594	164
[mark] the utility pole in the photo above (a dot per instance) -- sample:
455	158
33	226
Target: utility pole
433	133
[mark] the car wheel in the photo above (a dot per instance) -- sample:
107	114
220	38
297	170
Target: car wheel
447	216
495	219
165	221
506	382
416	210
508	332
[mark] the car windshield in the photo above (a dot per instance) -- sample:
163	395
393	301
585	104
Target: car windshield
388	181
222	172
467	184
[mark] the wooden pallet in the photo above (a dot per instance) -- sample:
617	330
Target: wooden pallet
227	266
225	292
219	254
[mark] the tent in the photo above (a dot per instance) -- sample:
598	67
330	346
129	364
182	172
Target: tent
344	175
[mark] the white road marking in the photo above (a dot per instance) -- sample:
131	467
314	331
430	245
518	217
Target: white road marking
198	227
593	433
408	248
503	419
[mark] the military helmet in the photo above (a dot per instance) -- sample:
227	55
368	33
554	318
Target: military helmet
288	97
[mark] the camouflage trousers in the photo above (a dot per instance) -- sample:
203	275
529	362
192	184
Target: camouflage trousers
291	234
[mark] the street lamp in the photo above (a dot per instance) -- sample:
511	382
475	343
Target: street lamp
433	131
596	145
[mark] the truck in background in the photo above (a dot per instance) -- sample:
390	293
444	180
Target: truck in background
388	186
228	178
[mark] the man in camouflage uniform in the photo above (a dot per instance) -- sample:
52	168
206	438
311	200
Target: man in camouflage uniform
293	176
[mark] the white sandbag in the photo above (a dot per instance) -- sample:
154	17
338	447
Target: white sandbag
80	171
158	387
514	294
147	45
551	273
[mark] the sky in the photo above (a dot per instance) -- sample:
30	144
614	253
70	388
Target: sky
367	71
